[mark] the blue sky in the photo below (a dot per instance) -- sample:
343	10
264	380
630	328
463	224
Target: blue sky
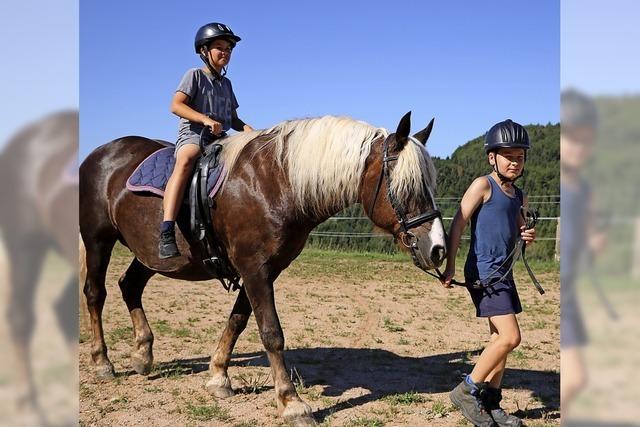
599	46
469	64
39	50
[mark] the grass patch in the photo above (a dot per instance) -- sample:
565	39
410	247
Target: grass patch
250	423
161	327
408	398
181	333
253	384
439	409
364	422
207	412
518	355
314	262
121	333
392	327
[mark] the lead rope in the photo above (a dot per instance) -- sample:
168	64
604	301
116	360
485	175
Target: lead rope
530	218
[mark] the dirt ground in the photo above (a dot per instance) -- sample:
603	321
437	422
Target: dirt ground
371	341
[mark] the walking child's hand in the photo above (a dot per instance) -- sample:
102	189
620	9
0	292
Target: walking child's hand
528	235
447	276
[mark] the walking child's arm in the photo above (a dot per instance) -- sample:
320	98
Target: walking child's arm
478	192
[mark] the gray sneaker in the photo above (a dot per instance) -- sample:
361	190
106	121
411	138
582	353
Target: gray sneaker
491	398
167	247
467	398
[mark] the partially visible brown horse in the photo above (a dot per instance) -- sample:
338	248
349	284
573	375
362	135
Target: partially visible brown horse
282	183
39	213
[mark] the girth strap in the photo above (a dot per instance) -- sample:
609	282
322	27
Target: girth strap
213	254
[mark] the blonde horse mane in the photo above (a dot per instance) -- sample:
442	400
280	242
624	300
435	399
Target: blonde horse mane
324	159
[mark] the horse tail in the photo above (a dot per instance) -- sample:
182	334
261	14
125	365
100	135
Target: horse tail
82	276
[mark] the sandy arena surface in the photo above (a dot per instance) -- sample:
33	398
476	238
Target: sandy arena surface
369	343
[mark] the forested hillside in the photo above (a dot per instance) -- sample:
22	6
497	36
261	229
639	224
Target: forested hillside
541	182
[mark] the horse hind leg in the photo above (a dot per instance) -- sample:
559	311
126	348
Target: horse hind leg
98	253
220	385
132	284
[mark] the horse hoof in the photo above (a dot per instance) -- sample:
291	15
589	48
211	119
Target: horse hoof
220	387
298	414
141	366
105	372
302	421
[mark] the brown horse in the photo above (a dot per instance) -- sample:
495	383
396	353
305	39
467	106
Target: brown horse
282	183
39	213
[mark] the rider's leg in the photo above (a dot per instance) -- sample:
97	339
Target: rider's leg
173	195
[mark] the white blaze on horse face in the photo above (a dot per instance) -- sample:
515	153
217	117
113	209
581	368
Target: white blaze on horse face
436	235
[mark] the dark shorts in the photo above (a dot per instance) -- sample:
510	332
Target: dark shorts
497	299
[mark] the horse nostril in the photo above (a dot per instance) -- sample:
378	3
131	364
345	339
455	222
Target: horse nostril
437	254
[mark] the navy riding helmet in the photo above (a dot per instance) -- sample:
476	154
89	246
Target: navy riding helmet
507	134
214	30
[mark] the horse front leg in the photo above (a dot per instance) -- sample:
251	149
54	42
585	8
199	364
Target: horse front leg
220	385
293	409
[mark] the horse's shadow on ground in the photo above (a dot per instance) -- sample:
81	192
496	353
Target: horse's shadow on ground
381	372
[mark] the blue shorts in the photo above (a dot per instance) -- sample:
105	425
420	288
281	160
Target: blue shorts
495	300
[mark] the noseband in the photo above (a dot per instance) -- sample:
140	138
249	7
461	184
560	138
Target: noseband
406	224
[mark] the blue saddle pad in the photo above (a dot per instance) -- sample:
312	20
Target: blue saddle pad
152	174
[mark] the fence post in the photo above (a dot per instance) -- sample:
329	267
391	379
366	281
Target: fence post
635	260
556	255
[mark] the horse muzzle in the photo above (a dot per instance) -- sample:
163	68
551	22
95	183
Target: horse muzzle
427	253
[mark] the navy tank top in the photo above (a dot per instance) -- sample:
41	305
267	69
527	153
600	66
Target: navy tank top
494	233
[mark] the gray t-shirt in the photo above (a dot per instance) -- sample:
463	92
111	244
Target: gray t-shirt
207	96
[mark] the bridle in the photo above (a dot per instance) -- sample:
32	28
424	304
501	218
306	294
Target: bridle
406	224
408	239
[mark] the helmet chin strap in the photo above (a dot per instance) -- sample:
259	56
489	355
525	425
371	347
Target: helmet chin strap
205	58
503	178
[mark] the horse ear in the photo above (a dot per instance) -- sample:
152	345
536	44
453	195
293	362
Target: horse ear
423	135
402	133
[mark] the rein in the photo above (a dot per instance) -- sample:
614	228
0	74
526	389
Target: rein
531	219
406	224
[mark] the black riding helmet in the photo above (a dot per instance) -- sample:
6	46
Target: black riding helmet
507	134
214	30
208	33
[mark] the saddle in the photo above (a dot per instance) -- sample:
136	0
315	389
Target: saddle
151	176
201	202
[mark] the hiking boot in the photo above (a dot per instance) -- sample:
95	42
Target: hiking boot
466	397
167	247
491	398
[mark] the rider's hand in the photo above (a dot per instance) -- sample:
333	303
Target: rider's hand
528	235
216	127
447	276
